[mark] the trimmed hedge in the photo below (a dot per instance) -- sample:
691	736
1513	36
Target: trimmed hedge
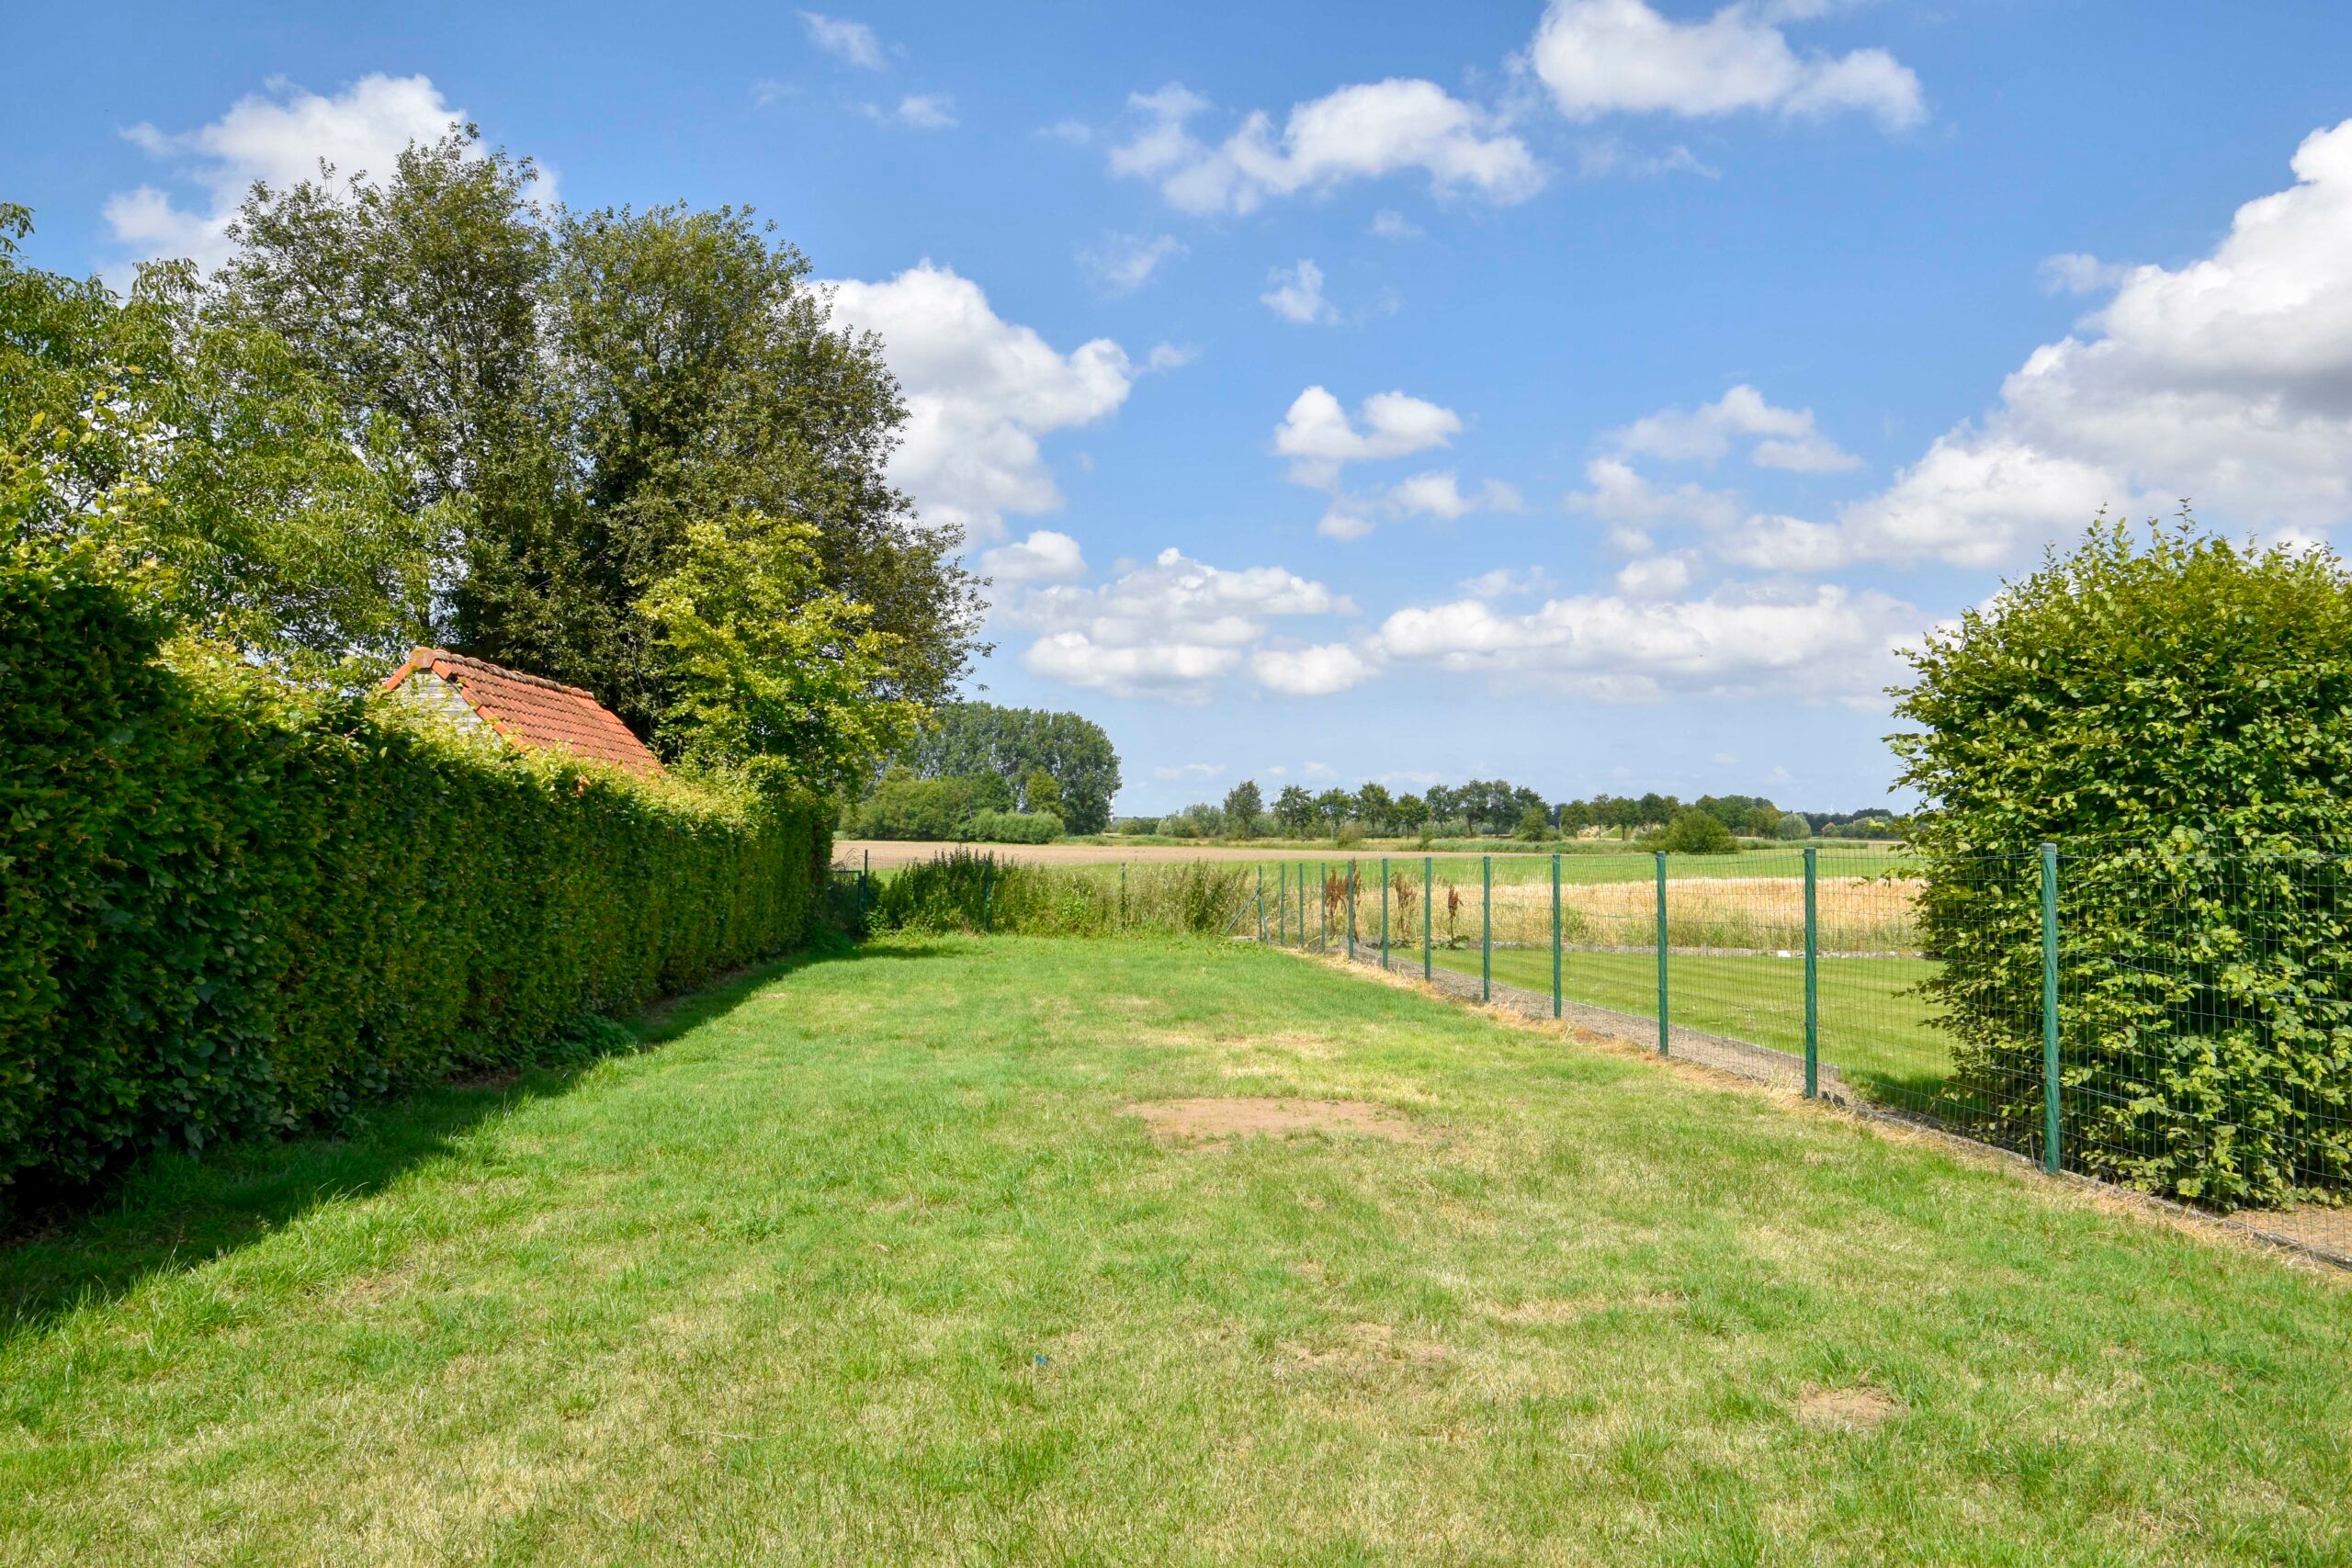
2176	713
230	907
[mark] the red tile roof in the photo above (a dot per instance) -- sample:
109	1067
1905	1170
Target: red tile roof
531	710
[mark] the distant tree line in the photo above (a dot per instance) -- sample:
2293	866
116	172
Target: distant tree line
1494	808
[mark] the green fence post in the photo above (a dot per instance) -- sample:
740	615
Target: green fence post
1351	874
1812	975
1556	936
2051	1150
988	894
1486	928
1123	895
1262	902
1383	912
1427	884
1323	899
1661	953
1281	905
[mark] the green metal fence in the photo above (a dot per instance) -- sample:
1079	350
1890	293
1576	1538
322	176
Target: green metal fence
2154	1015
2189	1035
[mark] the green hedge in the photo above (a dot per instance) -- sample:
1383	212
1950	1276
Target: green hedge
228	906
973	890
1012	827
2174	711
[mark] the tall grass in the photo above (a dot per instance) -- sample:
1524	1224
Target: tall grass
971	890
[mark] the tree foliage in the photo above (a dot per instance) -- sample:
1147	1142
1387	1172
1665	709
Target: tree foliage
1697	832
965	738
199	464
2175	712
578	392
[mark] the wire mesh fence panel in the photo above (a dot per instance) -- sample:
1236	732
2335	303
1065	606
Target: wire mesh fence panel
2205	1046
1733	948
1893	1017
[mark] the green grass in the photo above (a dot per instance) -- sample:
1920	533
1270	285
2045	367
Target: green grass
867	1264
1874	1025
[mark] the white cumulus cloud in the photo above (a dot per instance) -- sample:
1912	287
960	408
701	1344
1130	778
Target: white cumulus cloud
1620	495
1439	494
1604	57
1043	557
1365	131
2227	381
1296	295
1783	438
1121	264
1318	436
1316	671
917	111
277	136
1820	642
851	41
1169	630
980	392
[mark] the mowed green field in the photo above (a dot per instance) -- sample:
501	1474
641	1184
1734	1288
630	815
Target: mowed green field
1875	1025
870	1258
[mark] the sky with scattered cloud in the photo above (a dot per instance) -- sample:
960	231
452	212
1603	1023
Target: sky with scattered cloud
1599	393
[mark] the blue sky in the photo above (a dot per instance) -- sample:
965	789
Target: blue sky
1592	394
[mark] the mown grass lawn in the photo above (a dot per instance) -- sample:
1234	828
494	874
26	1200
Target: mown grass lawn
866	1261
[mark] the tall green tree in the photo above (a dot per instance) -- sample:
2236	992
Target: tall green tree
1243	807
1295	810
580	390
962	738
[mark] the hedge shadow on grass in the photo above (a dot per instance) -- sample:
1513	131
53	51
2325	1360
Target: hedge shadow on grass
170	1213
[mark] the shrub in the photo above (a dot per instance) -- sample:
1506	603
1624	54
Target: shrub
971	890
1534	825
1135	827
1013	828
1697	833
1179	827
231	907
904	807
2175	718
1350	835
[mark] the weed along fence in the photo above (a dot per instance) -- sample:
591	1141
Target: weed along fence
2178	1027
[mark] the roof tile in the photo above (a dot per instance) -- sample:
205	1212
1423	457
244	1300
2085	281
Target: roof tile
534	712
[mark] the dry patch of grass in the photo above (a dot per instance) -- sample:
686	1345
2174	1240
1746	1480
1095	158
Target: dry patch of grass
1855	1409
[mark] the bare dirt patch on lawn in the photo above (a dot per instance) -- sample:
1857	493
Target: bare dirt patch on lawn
1860	1409
1214	1122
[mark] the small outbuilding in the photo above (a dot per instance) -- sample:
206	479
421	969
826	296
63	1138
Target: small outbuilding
527	711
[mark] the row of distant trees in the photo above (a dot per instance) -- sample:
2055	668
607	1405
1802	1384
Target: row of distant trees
1492	808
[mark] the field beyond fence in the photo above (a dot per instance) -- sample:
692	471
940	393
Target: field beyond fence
2089	1046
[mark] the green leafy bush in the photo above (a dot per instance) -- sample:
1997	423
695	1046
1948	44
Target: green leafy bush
904	807
1696	833
1013	828
2179	719
971	890
230	907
